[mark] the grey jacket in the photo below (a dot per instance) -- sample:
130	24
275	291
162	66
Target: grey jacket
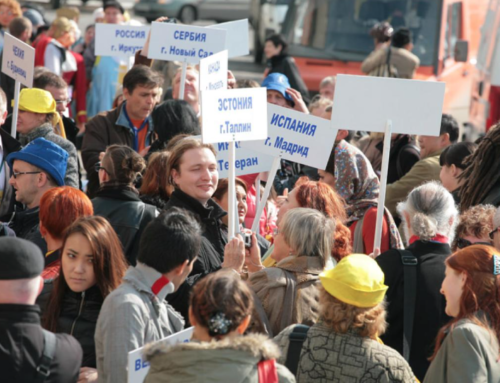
328	356
232	359
130	317
469	353
47	131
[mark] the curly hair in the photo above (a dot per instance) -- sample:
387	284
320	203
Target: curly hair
476	221
342	317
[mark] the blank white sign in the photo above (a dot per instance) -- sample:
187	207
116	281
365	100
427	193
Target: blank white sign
367	103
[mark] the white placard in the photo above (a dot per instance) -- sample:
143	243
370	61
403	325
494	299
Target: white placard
237	38
119	40
367	103
213	72
247	161
234	115
18	60
184	42
297	137
138	368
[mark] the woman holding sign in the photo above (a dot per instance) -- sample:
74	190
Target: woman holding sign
350	173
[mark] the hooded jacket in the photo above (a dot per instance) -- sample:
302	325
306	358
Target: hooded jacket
47	131
232	359
213	242
132	316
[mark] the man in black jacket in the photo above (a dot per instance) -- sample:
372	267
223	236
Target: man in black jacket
429	217
21	335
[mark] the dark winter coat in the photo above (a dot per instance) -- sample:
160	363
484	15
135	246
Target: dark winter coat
430	303
128	215
78	318
155	200
213	242
286	65
7	202
26	225
404	154
22	342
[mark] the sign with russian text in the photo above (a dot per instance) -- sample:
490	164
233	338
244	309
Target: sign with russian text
414	107
296	136
119	40
213	72
18	60
184	42
234	115
247	161
237	37
138	367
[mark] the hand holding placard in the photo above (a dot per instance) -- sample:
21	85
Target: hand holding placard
378	104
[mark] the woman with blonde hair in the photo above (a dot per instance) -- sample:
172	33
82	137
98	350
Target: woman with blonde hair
342	345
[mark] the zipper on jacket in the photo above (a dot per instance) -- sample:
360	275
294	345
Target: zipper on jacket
79	313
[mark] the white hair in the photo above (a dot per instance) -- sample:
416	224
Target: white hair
430	211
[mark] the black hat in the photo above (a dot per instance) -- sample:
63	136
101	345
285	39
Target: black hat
113	4
19	259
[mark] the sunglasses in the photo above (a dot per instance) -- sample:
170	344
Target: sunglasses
98	167
492	234
463	243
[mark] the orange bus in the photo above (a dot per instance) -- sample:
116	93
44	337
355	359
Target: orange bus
328	37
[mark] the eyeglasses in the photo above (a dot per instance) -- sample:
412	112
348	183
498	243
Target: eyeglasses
492	234
98	167
463	243
64	102
14	174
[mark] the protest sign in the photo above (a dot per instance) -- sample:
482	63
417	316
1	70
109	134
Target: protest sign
119	40
246	161
230	116
184	42
294	136
234	115
379	104
18	62
236	37
138	367
213	72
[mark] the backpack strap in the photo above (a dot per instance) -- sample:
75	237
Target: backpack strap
267	371
296	339
49	350
409	298
289	302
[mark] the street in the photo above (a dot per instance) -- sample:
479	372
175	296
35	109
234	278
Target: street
242	67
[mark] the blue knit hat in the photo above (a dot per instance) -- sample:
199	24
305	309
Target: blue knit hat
278	82
45	155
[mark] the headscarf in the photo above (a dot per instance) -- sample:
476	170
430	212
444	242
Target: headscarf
359	186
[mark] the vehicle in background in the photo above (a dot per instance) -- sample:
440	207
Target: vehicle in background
485	97
266	17
445	37
188	11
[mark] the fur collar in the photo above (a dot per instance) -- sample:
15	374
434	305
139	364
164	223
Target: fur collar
258	345
42	131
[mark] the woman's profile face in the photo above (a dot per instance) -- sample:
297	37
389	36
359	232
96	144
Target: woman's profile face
281	249
452	288
241	199
289	204
77	263
271	50
327	178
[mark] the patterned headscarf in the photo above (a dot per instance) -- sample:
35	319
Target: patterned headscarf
358	184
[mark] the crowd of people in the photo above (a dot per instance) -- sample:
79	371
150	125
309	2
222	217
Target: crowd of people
114	232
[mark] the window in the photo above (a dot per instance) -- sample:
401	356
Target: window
453	29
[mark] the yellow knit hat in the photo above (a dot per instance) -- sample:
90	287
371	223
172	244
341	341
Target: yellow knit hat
356	280
36	101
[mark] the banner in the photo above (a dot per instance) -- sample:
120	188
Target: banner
119	40
18	60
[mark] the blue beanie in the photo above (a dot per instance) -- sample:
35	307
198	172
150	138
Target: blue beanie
45	155
278	82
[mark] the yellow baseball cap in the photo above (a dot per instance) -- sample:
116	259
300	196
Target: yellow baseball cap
356	280
36	101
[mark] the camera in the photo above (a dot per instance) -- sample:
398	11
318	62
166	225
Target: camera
247	237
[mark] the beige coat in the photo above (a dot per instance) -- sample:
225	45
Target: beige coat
270	286
232	360
403	60
425	170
